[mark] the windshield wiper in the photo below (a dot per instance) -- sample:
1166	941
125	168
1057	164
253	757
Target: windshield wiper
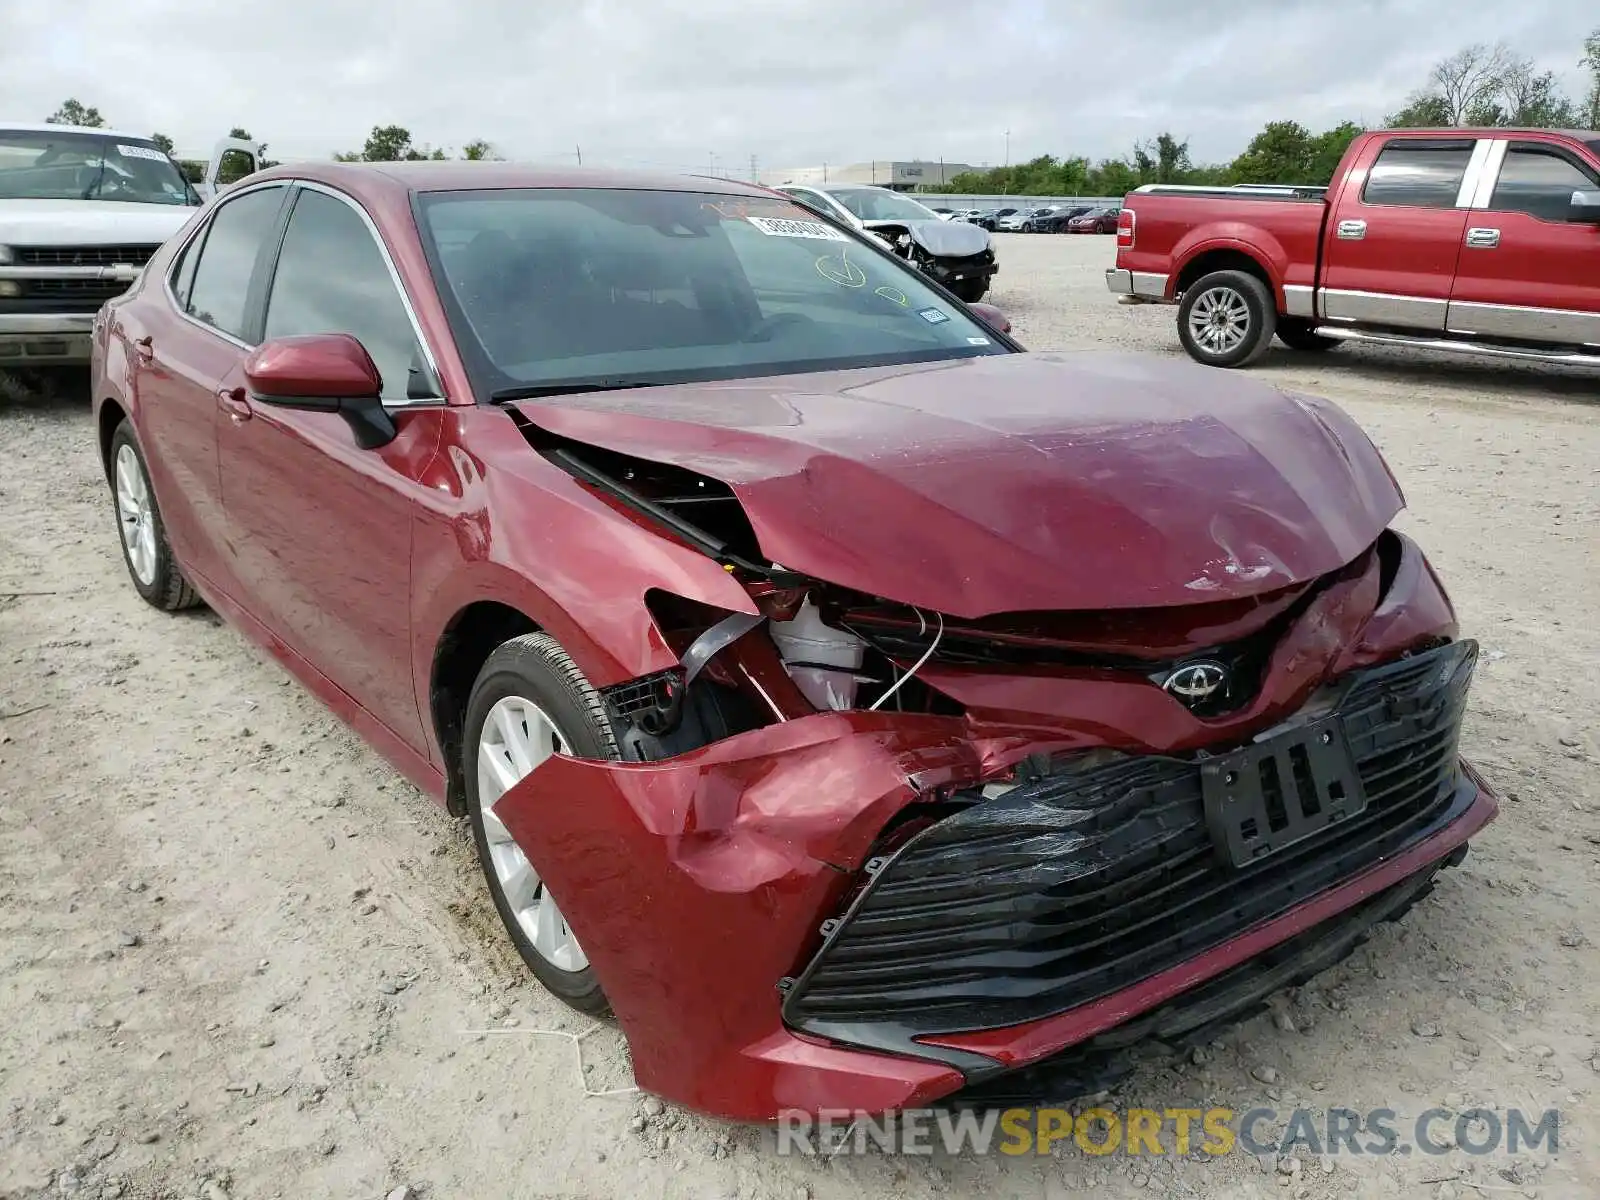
535	391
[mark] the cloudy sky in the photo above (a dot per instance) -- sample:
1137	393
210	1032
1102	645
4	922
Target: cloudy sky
687	84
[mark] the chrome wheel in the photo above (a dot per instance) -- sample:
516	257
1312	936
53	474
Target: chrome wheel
1219	320
517	736
136	516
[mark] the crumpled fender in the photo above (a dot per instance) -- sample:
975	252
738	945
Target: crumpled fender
746	845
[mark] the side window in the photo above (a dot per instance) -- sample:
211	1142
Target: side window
220	288
332	278
1539	181
1418	174
183	270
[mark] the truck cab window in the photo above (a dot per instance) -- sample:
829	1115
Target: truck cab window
1418	174
1539	181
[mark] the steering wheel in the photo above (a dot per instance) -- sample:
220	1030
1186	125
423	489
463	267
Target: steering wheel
764	329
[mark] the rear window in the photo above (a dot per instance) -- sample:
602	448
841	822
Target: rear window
1418	174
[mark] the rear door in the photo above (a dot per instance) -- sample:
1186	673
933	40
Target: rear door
1525	272
186	361
1395	232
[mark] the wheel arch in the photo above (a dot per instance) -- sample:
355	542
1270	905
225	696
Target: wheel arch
110	415
467	641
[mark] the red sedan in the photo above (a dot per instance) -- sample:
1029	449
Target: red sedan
1096	220
865	710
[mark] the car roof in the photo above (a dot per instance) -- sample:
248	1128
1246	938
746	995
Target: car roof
49	127
397	179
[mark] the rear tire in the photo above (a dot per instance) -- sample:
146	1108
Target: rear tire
1227	319
1296	333
531	698
151	566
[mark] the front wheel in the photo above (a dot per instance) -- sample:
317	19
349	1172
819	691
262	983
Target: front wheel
1297	334
530	702
1227	319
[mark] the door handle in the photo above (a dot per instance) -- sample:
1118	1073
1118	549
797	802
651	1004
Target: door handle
236	404
1483	239
1352	231
145	348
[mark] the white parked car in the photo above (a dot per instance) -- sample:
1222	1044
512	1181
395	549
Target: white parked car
81	212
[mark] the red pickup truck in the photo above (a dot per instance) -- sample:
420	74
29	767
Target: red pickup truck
1484	241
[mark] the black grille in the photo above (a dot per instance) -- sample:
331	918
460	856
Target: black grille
82	256
96	290
1103	873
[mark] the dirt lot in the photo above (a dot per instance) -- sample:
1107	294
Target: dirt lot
241	957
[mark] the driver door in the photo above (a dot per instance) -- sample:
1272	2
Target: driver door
320	529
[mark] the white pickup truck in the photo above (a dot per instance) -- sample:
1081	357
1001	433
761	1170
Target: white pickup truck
81	212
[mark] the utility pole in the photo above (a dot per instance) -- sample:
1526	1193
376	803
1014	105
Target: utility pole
580	154
1008	147
754	177
824	172
713	162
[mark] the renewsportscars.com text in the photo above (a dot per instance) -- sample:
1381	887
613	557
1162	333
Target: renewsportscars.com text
1172	1131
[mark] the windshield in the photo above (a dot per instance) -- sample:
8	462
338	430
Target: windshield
86	166
554	287
875	204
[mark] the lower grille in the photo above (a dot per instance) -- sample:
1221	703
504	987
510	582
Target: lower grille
82	290
1104	872
83	256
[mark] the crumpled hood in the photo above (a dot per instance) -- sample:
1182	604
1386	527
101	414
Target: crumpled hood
89	222
1019	482
943	239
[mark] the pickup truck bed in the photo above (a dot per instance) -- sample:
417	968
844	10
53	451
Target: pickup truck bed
1478	241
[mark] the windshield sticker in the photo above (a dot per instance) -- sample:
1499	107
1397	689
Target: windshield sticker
840	270
977	341
894	295
933	316
788	227
141	152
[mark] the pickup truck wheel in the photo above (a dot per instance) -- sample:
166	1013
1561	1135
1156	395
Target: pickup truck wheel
151	566
1227	319
530	702
1297	335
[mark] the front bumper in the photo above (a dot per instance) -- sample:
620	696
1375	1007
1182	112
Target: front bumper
961	270
708	889
45	339
1137	287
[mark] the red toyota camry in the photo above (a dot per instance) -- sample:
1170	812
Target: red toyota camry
865	710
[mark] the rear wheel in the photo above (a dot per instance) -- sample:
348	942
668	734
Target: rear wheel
151	566
1296	333
1227	319
530	702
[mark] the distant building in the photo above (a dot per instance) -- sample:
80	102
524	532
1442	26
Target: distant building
901	176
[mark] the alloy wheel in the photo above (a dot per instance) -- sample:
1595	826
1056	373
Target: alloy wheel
1219	320
136	515
518	736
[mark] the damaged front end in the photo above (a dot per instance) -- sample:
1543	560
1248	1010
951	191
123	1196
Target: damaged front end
957	254
866	854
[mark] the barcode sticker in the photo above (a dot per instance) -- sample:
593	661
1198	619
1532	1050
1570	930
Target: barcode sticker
141	152
788	227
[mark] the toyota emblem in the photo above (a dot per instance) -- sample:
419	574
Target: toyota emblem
1195	683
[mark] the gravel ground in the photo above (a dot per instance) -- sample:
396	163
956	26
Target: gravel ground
241	957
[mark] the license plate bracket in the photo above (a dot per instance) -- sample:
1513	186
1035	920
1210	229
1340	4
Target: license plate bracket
1265	797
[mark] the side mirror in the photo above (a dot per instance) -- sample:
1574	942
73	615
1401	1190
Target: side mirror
1584	208
990	316
323	372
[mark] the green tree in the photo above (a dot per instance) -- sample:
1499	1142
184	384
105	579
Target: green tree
73	113
1591	60
162	141
1328	148
1280	153
479	150
1488	86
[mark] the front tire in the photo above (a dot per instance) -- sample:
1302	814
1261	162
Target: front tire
149	558
529	702
1227	319
1297	334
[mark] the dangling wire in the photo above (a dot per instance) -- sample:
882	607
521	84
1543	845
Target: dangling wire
926	655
